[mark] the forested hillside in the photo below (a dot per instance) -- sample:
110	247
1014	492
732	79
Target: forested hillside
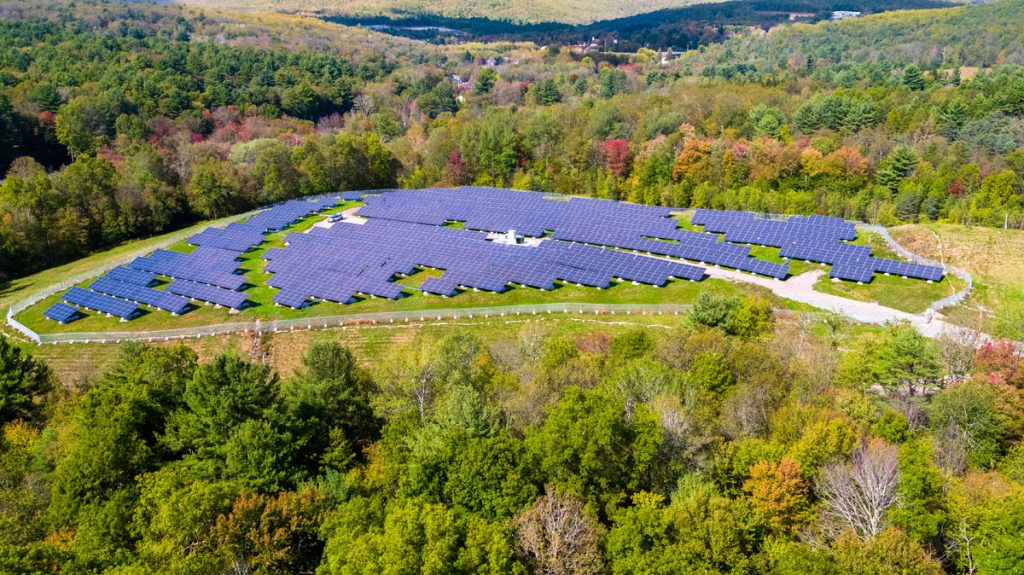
736	444
122	121
573	11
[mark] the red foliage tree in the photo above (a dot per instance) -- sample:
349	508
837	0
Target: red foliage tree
455	171
1000	362
616	156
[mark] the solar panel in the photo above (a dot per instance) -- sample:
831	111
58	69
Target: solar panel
207	293
101	303
61	312
140	294
132	276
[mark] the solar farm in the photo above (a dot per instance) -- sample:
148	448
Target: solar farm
456	241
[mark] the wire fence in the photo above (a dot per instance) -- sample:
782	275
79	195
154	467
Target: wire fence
963	274
362	320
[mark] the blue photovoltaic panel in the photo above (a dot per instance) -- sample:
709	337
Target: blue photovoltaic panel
235	237
132	276
101	303
141	294
207	293
61	312
213	271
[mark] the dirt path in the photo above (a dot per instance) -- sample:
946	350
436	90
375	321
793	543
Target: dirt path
801	288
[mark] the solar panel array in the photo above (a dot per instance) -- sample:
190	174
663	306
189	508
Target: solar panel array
207	293
168	302
812	238
234	237
281	215
599	222
61	312
338	263
101	303
214	271
585	241
207	274
132	276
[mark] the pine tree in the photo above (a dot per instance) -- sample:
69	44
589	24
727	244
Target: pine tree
913	79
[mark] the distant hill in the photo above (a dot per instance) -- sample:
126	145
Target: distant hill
975	35
520	11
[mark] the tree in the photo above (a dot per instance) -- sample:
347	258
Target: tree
546	92
1000	362
892	551
913	79
616	156
713	310
212	192
329	400
558	537
767	122
117	426
952	117
302	102
911	358
276	534
857	494
410	537
899	164
753	318
612	81
220	396
23	383
85	123
596	445
921	511
485	81
381	167
46	96
965	417
779	495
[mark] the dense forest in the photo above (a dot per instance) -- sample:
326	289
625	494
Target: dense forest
122	121
739	443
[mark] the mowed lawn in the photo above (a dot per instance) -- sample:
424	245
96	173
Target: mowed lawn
995	258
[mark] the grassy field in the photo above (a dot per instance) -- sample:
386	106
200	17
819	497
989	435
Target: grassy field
994	257
75	364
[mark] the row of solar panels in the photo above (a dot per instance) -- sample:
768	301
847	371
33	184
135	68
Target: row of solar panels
207	274
336	264
590	221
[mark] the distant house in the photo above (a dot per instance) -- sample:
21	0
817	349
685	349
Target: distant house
844	14
585	47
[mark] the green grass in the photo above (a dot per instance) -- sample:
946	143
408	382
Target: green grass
909	295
